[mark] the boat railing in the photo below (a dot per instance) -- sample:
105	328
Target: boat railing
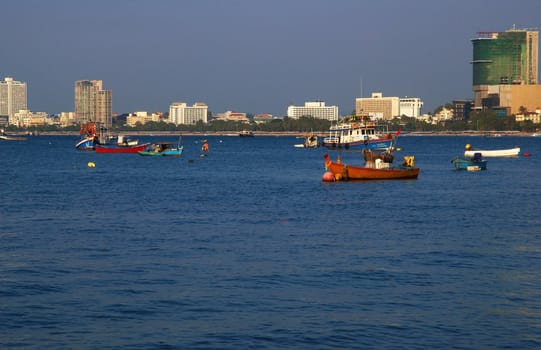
331	139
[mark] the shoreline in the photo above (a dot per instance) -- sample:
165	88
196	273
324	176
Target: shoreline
287	133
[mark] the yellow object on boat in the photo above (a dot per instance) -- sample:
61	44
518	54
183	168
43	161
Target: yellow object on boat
409	161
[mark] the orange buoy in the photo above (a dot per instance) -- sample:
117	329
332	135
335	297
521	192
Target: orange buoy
328	177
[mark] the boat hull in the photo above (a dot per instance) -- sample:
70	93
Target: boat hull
359	145
343	171
169	153
12	138
511	152
86	144
134	149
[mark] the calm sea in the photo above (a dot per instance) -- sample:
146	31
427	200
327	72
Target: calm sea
248	249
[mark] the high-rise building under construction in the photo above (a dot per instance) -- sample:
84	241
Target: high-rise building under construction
502	60
508	57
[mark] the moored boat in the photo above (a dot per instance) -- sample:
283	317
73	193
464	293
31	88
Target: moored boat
162	149
8	137
124	149
379	170
471	164
509	152
89	137
358	133
310	141
246	133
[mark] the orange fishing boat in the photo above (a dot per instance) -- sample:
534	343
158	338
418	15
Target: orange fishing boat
373	170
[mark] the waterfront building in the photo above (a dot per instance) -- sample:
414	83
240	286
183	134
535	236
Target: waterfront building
142	117
410	107
25	118
67	119
462	109
377	106
233	116
181	113
92	103
502	61
444	114
534	117
12	97
262	118
316	110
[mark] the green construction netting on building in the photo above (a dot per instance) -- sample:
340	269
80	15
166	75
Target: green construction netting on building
500	60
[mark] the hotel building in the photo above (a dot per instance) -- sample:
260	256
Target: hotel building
316	110
12	98
181	113
377	106
410	107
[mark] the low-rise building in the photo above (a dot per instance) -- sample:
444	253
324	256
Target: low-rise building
534	117
26	118
233	116
262	118
142	117
316	110
444	114
67	119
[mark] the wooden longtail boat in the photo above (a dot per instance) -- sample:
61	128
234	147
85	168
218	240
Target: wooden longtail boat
343	171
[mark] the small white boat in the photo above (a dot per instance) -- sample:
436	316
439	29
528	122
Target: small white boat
510	152
310	141
124	141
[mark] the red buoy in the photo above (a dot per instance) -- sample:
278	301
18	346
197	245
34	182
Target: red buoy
328	177
527	154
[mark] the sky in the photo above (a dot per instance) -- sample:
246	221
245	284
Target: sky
252	56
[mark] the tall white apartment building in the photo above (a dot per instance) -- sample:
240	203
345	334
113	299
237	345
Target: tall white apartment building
411	107
12	97
313	109
181	113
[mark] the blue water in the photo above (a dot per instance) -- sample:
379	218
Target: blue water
248	249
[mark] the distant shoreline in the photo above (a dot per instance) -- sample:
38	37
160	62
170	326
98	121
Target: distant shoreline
289	133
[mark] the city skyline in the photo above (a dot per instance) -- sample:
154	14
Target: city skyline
251	56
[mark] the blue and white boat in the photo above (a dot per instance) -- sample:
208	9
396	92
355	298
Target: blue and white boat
89	137
472	164
358	133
